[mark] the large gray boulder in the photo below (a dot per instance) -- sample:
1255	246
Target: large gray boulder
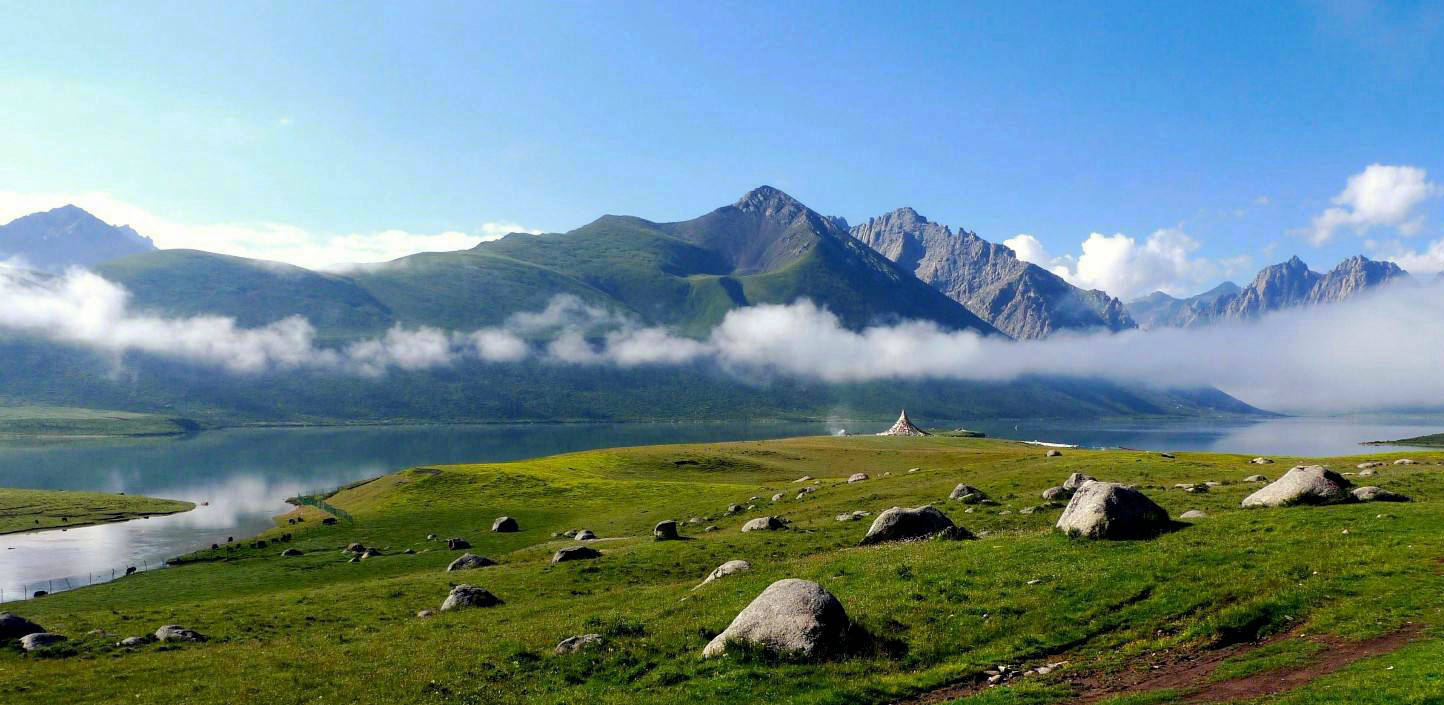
1304	484
967	494
792	617
903	524
1377	494
665	531
505	525
765	524
175	632
1075	481
575	553
40	640
469	596
1108	510
469	561
13	626
726	569
571	645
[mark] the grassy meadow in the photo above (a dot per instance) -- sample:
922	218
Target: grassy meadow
317	628
32	510
32	422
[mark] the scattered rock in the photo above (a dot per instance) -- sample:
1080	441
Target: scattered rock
431	537
410	552
665	531
1193	514
354	559
804	478
768	523
1075	481
726	569
40	640
1054	453
805	491
734	509
903	524
1312	484
710	529
967	494
1366	466
355	548
175	632
290	552
794	617
425	614
1261	461
1368	473
1255	478
585	535
469	596
469	561
13	626
1108	510
505	525
1406	461
857	477
1166	455
911	470
1054	494
575	553
457	544
133	641
573	644
371	553
1377	494
852	516
778	497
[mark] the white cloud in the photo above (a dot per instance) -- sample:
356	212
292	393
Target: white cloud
1126	268
280	242
1379	196
1427	261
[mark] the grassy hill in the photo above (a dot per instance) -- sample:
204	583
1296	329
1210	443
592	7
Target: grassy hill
1433	440
1342	600
32	510
45	421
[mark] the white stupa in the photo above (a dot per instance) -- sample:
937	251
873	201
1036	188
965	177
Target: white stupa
904	427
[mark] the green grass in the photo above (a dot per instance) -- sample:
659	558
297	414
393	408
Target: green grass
32	510
45	421
1433	440
316	628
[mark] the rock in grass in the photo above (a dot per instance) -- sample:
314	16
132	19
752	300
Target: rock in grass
726	569
575	553
573	644
805	491
457	544
967	494
329	521
133	641
371	553
710	528
470	561
904	524
1055	494
585	535
355	548
665	531
851	516
1054	453
1108	510
734	509
469	596
804	478
1075	481
1166	455
1406	461
13	626
1193	514
1255	478
175	632
1377	494
1372	464
1261	461
778	497
857	477
505	525
1311	484
793	617
1368	473
290	553
425	614
40	640
770	523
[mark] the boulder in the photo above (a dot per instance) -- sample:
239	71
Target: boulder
1255	478
355	548
967	494
1312	484
1406	461
726	569
40	640
1377	494
1054	494
505	525
469	561
1372	464
734	509
1166	455
903	524
710	528
13	626
1368	473
793	617
1075	481
457	544
1108	510
133	641
1193	514
573	644
804	478
851	516
805	491
770	523
1261	461
857	477
371	553
585	535
1054	453
778	497
469	596
913	470
665	531
290	552
425	614
575	553
175	632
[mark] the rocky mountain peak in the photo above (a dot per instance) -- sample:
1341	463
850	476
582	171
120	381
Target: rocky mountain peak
768	200
68	236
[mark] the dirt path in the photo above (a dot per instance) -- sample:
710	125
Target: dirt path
1188	671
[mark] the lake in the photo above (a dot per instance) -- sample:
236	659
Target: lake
245	474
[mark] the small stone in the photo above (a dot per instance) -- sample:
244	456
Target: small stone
767	523
425	614
573	644
290	552
133	641
857	477
585	535
175	632
726	569
1054	453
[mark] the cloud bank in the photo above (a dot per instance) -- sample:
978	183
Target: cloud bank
1127	268
1376	351
1379	196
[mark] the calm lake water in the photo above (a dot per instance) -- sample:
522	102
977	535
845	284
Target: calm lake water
245	475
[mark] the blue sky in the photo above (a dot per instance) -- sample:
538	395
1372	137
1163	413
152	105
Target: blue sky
1210	136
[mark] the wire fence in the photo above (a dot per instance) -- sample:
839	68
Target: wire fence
40	588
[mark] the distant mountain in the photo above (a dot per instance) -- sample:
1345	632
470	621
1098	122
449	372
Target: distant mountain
1159	310
1019	298
1281	286
765	248
66	237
